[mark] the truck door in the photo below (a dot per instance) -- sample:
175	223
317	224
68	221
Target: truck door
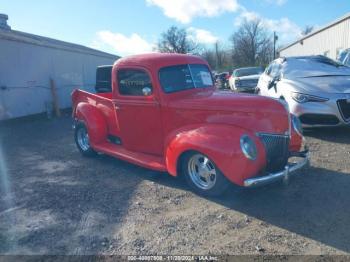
138	111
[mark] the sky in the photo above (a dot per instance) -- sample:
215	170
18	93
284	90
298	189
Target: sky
126	27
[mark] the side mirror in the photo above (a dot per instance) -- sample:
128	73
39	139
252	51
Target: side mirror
273	82
146	91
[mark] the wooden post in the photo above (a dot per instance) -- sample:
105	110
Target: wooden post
55	98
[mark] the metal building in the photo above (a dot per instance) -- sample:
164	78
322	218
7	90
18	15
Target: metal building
28	62
329	40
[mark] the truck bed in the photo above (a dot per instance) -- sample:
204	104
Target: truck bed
105	104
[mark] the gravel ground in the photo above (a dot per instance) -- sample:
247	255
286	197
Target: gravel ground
54	201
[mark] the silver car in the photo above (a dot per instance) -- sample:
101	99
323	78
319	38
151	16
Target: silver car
245	79
316	89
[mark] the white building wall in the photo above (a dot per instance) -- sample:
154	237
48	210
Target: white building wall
26	69
332	39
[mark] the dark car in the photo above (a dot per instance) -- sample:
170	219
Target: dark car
221	80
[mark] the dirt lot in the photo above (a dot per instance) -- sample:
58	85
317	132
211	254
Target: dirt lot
54	201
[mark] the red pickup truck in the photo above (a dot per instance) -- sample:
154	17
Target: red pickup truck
164	113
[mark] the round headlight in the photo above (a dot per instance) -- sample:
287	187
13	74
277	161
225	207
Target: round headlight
297	124
248	147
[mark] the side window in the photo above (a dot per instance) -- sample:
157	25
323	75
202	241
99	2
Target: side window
269	69
340	54
347	61
132	81
275	71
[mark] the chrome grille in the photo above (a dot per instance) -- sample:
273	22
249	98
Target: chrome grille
344	108
249	83
277	153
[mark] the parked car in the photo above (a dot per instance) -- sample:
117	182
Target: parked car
165	114
221	80
344	57
316	88
245	79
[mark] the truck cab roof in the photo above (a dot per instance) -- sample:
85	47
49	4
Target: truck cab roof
159	60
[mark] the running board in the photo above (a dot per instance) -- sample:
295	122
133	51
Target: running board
141	159
114	139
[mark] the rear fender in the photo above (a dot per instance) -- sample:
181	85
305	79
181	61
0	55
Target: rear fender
221	143
94	121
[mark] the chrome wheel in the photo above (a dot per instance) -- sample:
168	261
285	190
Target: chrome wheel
83	139
202	171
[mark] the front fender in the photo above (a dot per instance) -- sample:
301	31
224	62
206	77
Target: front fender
94	121
221	143
296	140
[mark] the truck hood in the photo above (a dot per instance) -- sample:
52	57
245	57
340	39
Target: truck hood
324	83
252	112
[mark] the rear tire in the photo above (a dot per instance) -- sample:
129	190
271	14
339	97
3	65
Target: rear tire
81	138
203	176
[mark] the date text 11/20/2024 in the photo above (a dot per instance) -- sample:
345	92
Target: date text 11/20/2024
172	258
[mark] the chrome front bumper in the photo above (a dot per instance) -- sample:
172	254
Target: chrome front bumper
249	89
282	175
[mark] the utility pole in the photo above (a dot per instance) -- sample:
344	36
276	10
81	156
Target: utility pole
217	55
275	38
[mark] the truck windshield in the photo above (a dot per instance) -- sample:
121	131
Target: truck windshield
183	77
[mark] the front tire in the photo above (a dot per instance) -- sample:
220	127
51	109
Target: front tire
203	176
82	141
